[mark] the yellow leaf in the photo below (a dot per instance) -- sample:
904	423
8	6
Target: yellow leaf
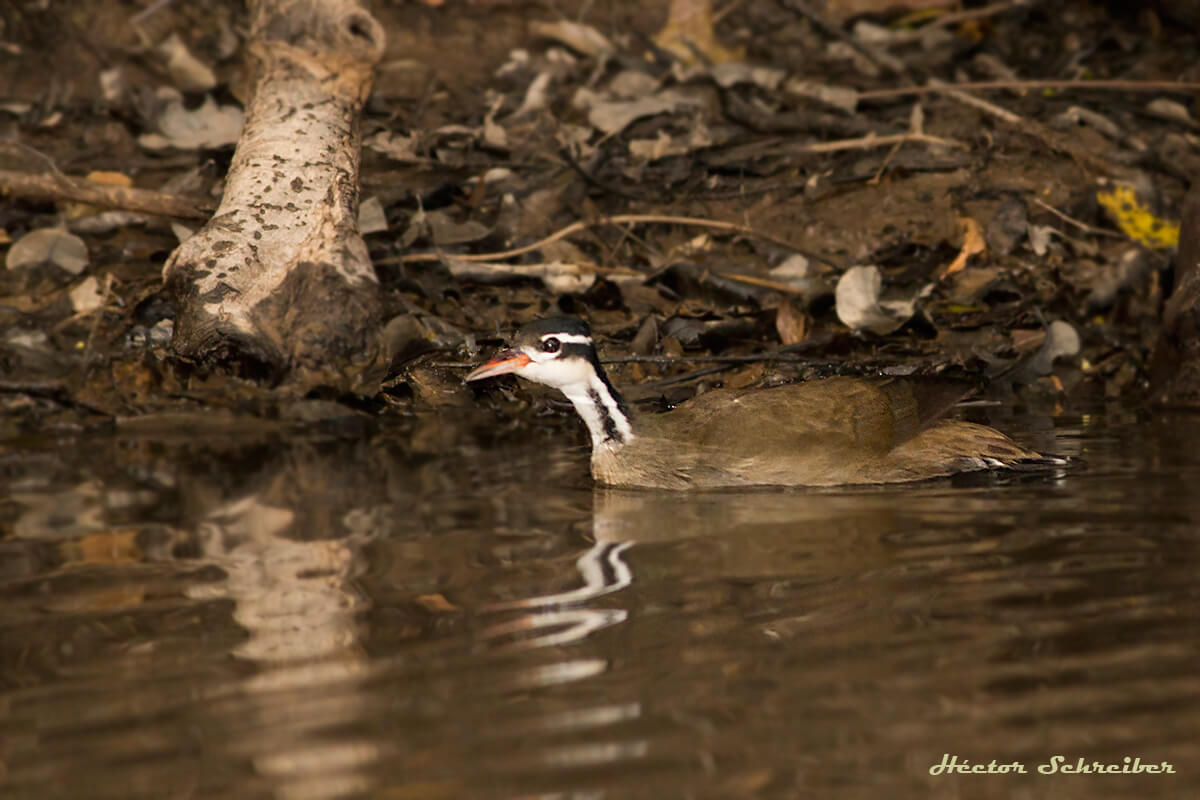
110	178
77	210
1136	221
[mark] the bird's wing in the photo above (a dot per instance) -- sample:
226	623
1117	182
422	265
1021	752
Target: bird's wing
844	414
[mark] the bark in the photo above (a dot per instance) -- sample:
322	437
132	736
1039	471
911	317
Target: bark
279	281
1175	366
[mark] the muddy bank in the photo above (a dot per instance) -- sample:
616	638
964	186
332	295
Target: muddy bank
765	195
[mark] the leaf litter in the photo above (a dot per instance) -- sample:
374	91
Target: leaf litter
730	184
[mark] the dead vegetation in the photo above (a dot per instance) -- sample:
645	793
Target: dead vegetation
757	192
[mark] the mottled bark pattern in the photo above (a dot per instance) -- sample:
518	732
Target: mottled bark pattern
280	275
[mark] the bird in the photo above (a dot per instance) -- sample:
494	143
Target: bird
833	431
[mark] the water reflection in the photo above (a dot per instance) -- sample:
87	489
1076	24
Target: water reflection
297	602
421	616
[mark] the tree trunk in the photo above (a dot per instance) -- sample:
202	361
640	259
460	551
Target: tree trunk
279	281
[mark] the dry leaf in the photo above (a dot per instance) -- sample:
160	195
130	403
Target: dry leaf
790	324
655	149
860	307
87	296
49	246
688	34
371	217
396	146
836	96
1062	340
729	75
973	244
579	37
210	125
536	95
613	116
187	72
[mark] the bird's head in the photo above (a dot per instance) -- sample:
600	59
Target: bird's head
557	352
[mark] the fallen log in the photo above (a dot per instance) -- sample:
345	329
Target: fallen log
278	284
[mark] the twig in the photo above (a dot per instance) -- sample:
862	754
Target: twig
748	358
40	388
63	187
999	112
106	293
733	194
55	391
720	13
765	283
871	141
616	219
979	86
32	151
144	14
108	282
640	391
1081	225
592	179
886	163
1050	138
956	17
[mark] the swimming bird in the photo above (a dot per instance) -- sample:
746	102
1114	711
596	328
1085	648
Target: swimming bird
824	432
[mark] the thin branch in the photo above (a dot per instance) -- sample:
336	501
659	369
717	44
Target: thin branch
999	112
77	190
871	141
25	149
1053	139
1100	85
1081	225
765	283
642	391
886	163
720	13
616	219
956	17
146	13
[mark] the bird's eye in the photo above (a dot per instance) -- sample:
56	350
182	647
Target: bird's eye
551	345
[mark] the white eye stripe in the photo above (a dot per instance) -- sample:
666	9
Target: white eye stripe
568	338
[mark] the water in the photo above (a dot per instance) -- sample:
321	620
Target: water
200	611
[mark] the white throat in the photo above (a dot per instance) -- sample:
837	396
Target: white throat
606	422
580	378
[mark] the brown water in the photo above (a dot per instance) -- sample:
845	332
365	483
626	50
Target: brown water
291	616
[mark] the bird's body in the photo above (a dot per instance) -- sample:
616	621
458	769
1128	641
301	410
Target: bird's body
870	433
834	431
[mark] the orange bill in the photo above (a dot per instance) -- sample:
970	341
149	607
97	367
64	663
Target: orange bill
506	361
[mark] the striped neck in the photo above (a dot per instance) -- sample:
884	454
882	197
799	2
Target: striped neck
602	408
